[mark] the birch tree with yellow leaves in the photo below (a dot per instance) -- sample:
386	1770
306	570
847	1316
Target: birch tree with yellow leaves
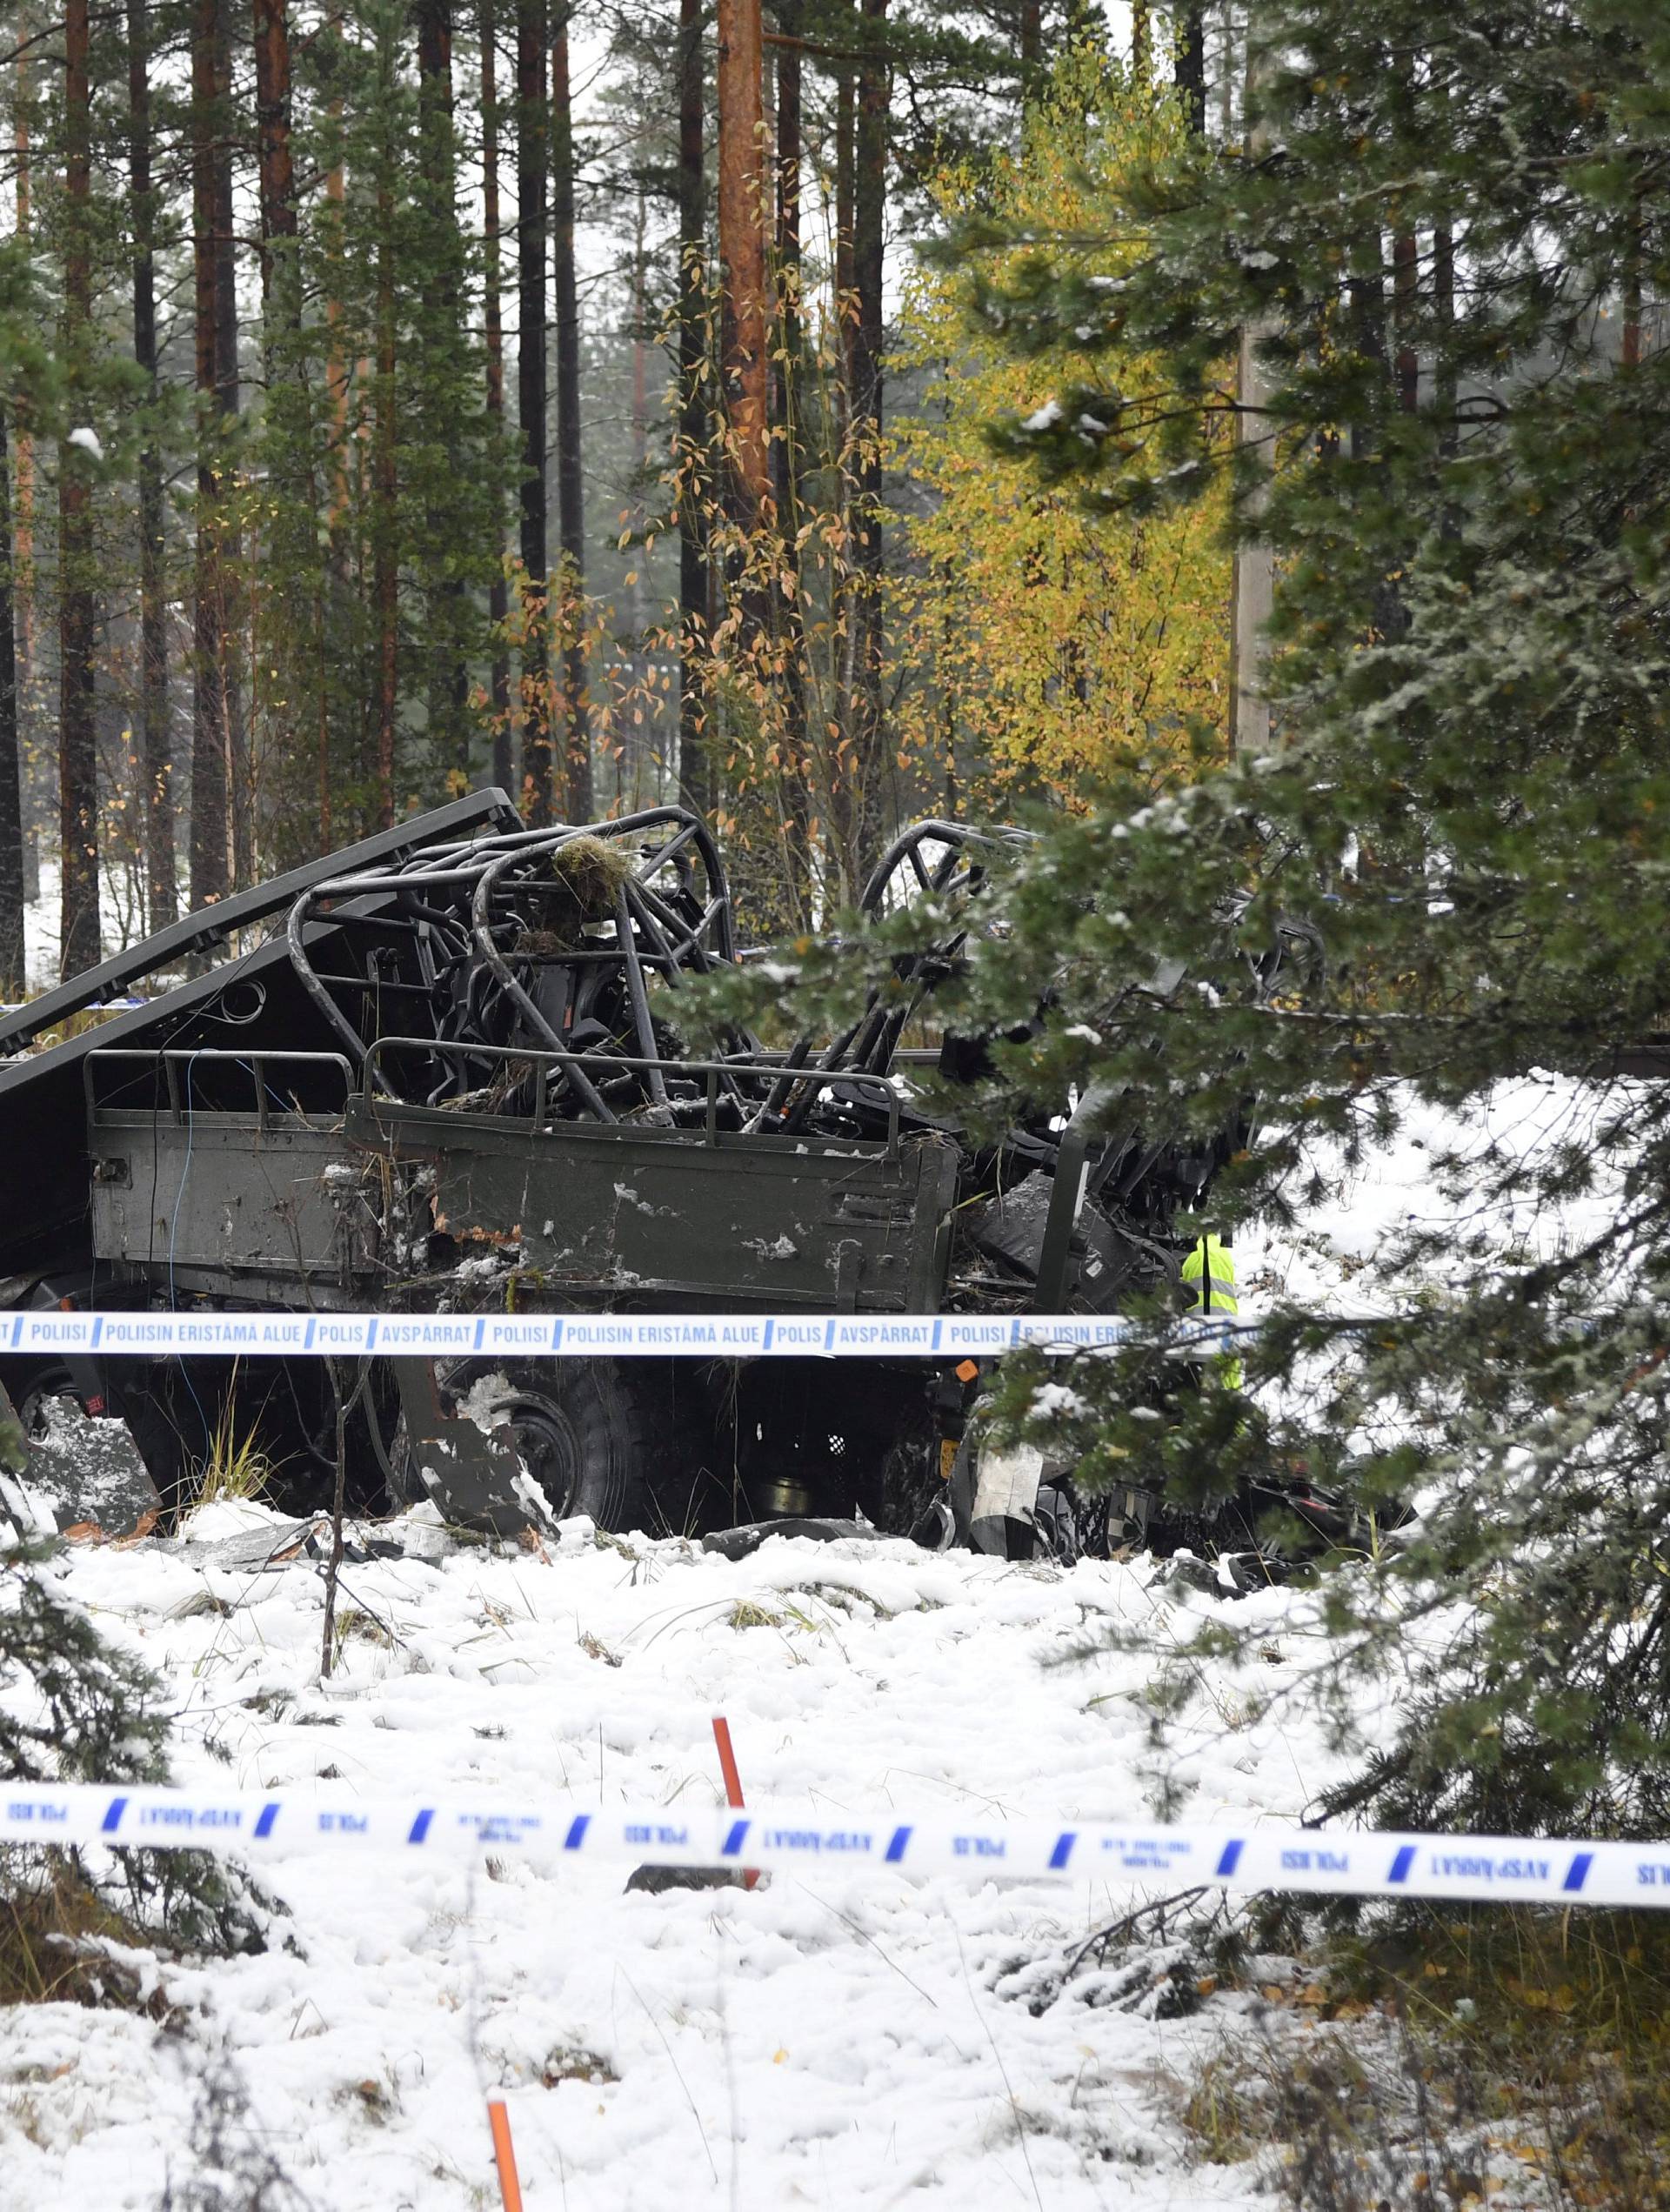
1042	647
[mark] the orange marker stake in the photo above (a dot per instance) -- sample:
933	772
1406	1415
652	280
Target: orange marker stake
505	2155
732	1783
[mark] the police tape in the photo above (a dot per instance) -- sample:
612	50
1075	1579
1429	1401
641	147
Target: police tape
583	1336
1335	1861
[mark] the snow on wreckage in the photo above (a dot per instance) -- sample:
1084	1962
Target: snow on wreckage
446	1075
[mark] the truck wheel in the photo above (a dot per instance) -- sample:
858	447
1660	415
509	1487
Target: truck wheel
597	1435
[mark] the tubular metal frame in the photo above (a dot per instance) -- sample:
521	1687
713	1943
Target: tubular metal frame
462	910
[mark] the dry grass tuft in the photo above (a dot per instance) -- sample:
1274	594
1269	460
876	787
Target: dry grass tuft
1487	2062
237	1468
57	1937
745	1614
352	1626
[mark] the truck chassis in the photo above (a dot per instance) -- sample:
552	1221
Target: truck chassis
455	1078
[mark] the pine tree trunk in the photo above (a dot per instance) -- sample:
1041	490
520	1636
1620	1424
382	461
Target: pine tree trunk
785	459
745	347
1365	291
209	873
498	597
845	282
334	740
155	747
789	154
272	109
1443	304
1192	67
1142	44
448	673
1252	595
1226	73
11	808
1406	369
639	737
385	486
869	214
1630	338
78	751
290	657
23	539
385	568
533	148
336	365
1367	320
1031	42
849	621
1406	283
235	736
696	765
571	474
331	586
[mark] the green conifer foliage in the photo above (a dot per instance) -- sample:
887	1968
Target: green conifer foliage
377	459
75	1709
1448	233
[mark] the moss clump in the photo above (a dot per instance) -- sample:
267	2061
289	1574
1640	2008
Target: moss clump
586	874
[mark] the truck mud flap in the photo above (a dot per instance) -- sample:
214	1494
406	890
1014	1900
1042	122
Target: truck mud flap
478	1481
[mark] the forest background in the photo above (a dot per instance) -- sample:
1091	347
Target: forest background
415	394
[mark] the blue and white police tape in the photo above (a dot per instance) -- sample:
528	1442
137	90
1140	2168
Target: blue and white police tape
1337	1862
584	1336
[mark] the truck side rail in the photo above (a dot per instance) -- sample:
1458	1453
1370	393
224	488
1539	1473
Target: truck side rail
715	1074
166	1065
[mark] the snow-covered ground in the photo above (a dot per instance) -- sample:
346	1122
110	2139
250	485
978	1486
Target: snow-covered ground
850	2040
831	2043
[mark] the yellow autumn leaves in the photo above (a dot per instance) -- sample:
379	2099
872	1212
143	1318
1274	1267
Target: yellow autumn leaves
1037	648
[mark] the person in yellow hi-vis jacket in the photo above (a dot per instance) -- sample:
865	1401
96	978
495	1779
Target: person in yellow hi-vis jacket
1209	1275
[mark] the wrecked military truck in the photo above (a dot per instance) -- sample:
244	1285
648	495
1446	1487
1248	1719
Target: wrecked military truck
446	1071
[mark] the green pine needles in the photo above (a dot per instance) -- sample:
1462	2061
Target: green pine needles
75	1709
1448	235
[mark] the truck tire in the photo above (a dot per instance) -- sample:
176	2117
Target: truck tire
598	1436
